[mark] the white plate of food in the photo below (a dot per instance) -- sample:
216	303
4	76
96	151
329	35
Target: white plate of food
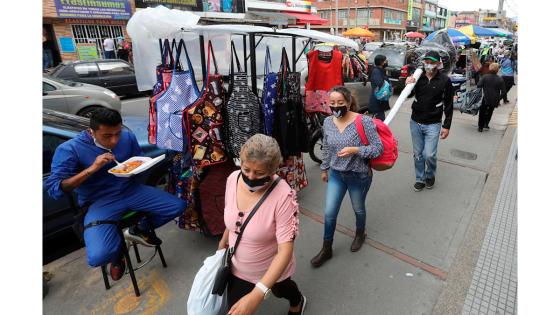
135	165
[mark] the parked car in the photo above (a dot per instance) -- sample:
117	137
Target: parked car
76	98
57	214
400	63
114	74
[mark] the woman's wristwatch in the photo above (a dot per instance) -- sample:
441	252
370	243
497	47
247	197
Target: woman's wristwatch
263	288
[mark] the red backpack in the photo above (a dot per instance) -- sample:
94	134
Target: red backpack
390	145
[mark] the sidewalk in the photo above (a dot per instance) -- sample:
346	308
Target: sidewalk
410	264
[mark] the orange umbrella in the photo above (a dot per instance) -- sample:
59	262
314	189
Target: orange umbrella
358	32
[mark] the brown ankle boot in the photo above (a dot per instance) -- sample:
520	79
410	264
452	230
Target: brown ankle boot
358	240
324	255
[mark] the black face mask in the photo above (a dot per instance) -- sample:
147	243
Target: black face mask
384	65
339	111
255	184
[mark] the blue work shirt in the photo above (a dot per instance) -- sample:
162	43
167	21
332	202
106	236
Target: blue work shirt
79	153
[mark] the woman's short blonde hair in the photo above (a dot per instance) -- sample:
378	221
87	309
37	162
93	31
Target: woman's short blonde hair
494	67
264	149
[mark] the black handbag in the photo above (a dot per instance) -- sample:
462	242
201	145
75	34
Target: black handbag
223	274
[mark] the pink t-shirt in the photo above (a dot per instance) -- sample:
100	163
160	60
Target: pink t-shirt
275	222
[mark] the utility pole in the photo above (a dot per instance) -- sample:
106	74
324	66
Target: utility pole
500	12
348	17
336	18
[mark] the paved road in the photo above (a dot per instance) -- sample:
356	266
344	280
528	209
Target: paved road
414	238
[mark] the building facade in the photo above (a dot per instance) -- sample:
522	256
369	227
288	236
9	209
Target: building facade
387	19
442	17
462	18
415	15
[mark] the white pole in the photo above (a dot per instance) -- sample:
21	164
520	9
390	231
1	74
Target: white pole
404	94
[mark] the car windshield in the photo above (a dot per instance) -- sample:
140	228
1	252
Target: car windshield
62	81
395	57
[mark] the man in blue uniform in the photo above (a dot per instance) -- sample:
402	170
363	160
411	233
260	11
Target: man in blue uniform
81	164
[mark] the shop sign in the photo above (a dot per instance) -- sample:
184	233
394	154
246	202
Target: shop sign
67	45
94	22
305	5
224	6
410	3
93	9
391	21
87	51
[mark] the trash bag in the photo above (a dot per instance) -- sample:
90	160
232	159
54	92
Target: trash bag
472	102
201	301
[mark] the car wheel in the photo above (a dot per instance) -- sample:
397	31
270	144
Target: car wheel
316	147
86	112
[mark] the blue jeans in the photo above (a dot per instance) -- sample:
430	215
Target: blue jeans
339	182
109	54
424	143
103	243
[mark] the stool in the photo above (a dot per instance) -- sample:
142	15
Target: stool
130	219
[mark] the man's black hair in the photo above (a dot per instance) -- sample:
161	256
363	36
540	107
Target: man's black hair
104	116
379	60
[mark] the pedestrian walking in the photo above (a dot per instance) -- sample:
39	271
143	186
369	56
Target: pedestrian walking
434	97
377	79
264	259
494	89
109	48
345	167
507	73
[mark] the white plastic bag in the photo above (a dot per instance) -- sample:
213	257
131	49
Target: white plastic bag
201	300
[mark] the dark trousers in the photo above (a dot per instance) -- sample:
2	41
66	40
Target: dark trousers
509	81
238	288
485	114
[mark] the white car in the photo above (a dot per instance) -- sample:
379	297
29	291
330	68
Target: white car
77	98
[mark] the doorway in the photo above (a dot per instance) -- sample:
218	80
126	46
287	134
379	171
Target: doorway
51	54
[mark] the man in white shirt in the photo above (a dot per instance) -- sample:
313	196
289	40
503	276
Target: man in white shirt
109	48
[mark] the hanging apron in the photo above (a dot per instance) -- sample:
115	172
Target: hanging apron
164	73
269	94
293	172
243	110
290	127
203	121
181	94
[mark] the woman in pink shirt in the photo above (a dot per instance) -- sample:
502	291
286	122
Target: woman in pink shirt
264	260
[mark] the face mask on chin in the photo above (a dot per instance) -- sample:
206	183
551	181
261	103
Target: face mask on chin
339	111
97	144
255	184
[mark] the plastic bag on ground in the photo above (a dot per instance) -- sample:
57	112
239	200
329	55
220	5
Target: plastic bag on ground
201	301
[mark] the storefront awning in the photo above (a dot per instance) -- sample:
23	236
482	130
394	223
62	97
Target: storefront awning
303	18
272	18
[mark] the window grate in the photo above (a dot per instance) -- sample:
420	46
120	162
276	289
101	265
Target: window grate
96	34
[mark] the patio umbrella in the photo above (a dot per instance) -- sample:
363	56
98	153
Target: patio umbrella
414	35
456	36
475	30
358	32
506	33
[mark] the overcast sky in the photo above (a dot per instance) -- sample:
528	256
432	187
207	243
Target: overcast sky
510	6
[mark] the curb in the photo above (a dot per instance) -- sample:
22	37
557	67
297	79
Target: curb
460	275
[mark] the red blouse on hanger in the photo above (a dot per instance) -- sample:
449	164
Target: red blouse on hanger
324	75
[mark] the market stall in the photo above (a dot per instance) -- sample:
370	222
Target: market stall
205	102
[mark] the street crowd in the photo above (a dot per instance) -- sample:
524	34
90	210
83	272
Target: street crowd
259	206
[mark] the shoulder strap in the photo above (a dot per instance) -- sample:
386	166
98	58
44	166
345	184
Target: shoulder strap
263	198
234	54
267	61
211	53
361	131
